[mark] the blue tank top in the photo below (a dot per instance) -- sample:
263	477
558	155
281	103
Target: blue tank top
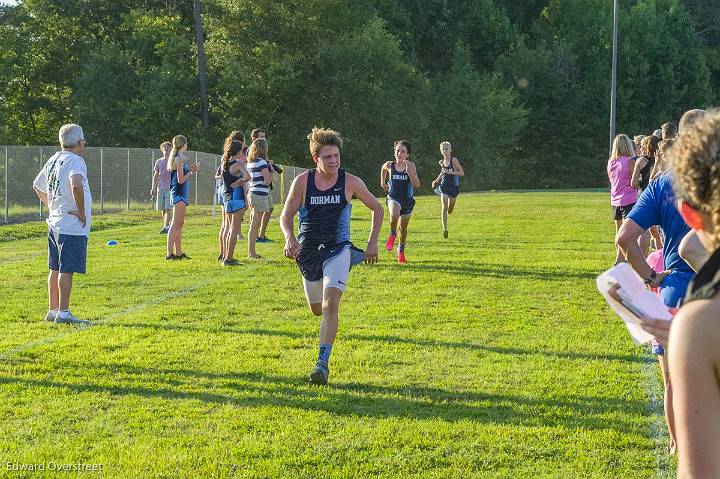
177	189
325	215
229	179
400	186
449	180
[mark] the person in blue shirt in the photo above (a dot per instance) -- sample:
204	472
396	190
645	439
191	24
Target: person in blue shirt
656	206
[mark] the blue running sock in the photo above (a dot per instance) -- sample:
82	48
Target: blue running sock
324	354
401	248
393	232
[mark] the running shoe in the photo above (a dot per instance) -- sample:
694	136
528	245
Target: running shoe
171	257
320	373
182	256
261	240
445	234
220	258
231	262
70	319
401	257
164	230
50	316
390	242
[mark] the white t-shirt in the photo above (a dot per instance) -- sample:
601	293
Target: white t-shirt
54	179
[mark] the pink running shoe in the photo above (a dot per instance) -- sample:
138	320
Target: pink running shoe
401	258
390	243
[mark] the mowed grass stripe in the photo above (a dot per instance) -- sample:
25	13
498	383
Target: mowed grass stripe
489	354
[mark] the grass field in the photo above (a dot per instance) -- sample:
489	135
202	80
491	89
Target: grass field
489	355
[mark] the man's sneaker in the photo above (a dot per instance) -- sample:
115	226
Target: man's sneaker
182	256
231	262
390	243
401	257
445	234
320	373
171	257
164	230
220	258
70	319
265	239
50	316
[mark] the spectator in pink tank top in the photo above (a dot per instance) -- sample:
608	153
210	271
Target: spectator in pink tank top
622	194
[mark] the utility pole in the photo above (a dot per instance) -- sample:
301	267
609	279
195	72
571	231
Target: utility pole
613	87
200	40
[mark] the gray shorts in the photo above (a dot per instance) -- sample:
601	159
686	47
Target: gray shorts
162	202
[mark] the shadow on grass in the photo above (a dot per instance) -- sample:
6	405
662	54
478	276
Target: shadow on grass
501	271
425	343
254	389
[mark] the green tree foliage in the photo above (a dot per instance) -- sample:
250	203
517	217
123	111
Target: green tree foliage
519	87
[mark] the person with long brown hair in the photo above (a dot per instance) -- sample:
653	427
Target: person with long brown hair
235	175
235	135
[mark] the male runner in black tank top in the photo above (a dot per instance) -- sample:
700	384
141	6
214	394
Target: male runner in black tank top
324	253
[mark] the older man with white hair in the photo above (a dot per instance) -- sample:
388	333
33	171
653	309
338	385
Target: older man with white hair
62	185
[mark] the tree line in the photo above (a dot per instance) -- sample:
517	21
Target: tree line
519	87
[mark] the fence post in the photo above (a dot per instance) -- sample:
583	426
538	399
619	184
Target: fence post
7	165
196	180
282	185
215	194
102	198
41	165
152	168
128	180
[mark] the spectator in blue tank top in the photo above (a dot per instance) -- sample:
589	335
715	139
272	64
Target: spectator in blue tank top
323	249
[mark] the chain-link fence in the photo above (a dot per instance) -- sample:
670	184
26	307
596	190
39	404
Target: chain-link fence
120	179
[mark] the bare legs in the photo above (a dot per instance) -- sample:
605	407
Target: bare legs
394	208
329	310
669	412
444	207
231	235
256	218
222	236
619	256
174	239
53	291
264	224
59	290
403	229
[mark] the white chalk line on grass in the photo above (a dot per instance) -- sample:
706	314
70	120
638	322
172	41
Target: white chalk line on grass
653	384
75	329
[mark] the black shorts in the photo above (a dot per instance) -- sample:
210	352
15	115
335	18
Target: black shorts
621	212
450	190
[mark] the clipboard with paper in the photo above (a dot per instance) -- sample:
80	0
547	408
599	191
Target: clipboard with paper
626	294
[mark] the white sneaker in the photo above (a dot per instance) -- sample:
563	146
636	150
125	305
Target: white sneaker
50	316
69	319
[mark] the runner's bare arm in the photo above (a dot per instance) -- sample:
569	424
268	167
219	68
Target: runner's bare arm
359	190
